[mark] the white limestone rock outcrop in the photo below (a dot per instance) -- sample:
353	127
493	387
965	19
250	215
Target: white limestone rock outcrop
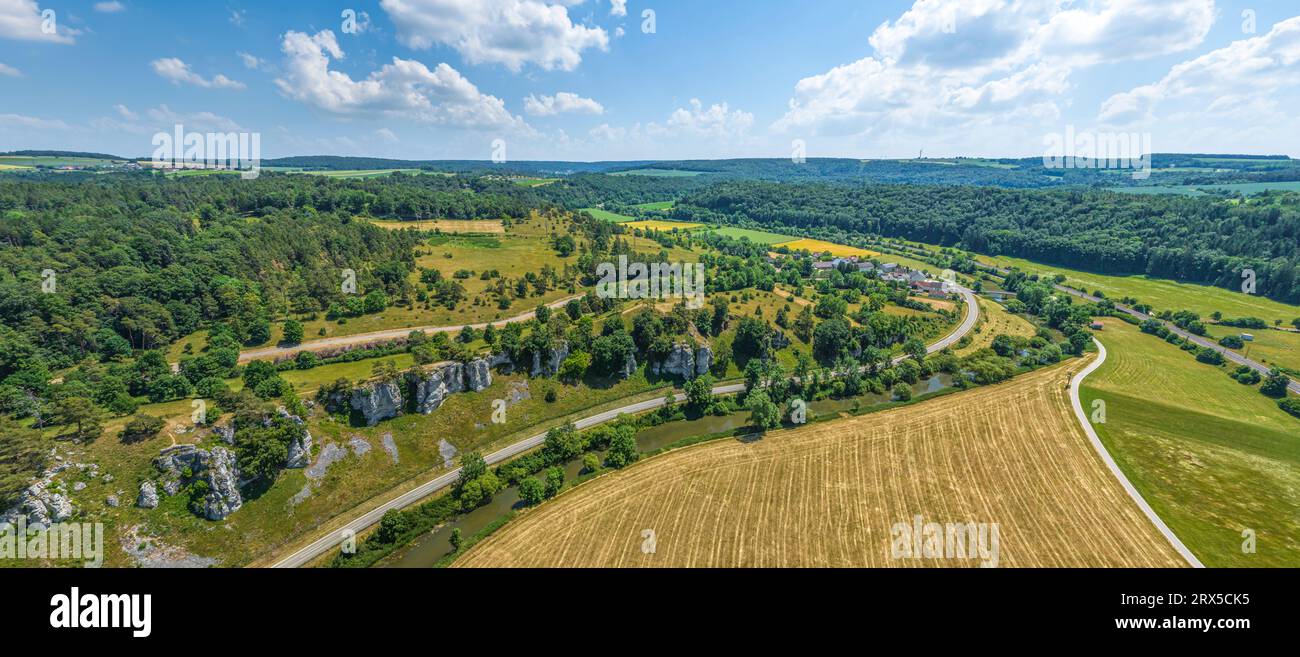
433	390
478	374
554	357
223	497
43	502
148	498
703	360
181	465
377	401
300	448
680	362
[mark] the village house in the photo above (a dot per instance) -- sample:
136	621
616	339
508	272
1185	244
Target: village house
934	289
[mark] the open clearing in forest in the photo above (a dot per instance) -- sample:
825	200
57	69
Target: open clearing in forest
606	215
830	494
474	226
656	224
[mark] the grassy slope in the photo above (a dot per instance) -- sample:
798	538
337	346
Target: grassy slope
606	215
1211	456
1270	347
994	321
756	236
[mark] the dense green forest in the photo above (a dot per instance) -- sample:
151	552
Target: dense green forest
1189	239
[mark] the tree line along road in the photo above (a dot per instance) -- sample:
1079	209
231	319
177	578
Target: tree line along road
1230	355
361	339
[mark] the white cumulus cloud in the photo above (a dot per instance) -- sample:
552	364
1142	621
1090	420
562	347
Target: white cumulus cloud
24	20
717	120
177	71
968	64
403	89
10	71
617	7
1242	74
512	33
250	61
561	103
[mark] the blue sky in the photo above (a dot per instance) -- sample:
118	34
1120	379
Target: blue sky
582	80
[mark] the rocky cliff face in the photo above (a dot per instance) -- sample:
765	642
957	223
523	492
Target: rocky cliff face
629	367
226	433
681	361
554	357
478	374
377	401
300	448
433	390
703	360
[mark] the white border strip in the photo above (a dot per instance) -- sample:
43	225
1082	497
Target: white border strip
1110	462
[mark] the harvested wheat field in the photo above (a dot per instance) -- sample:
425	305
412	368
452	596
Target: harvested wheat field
831	494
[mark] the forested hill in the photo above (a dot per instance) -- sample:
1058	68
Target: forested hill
342	163
1168	169
1190	239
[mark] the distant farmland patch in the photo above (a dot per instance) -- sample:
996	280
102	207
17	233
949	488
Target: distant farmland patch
821	246
476	226
533	182
659	173
756	236
368	173
657	206
1197	190
606	215
50	161
655	224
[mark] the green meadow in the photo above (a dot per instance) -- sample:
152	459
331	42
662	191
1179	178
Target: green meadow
606	215
1212	457
756	236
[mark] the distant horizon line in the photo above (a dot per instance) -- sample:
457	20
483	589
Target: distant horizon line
31	152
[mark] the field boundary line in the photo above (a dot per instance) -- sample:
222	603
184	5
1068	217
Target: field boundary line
1097	445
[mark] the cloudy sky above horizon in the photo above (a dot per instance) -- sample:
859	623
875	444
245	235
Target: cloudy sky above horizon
605	80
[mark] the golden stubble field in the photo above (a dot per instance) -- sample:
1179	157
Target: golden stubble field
832	493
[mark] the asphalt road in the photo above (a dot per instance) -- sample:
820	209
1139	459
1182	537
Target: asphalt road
1097	445
359	524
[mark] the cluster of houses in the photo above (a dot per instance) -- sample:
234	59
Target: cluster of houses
891	273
